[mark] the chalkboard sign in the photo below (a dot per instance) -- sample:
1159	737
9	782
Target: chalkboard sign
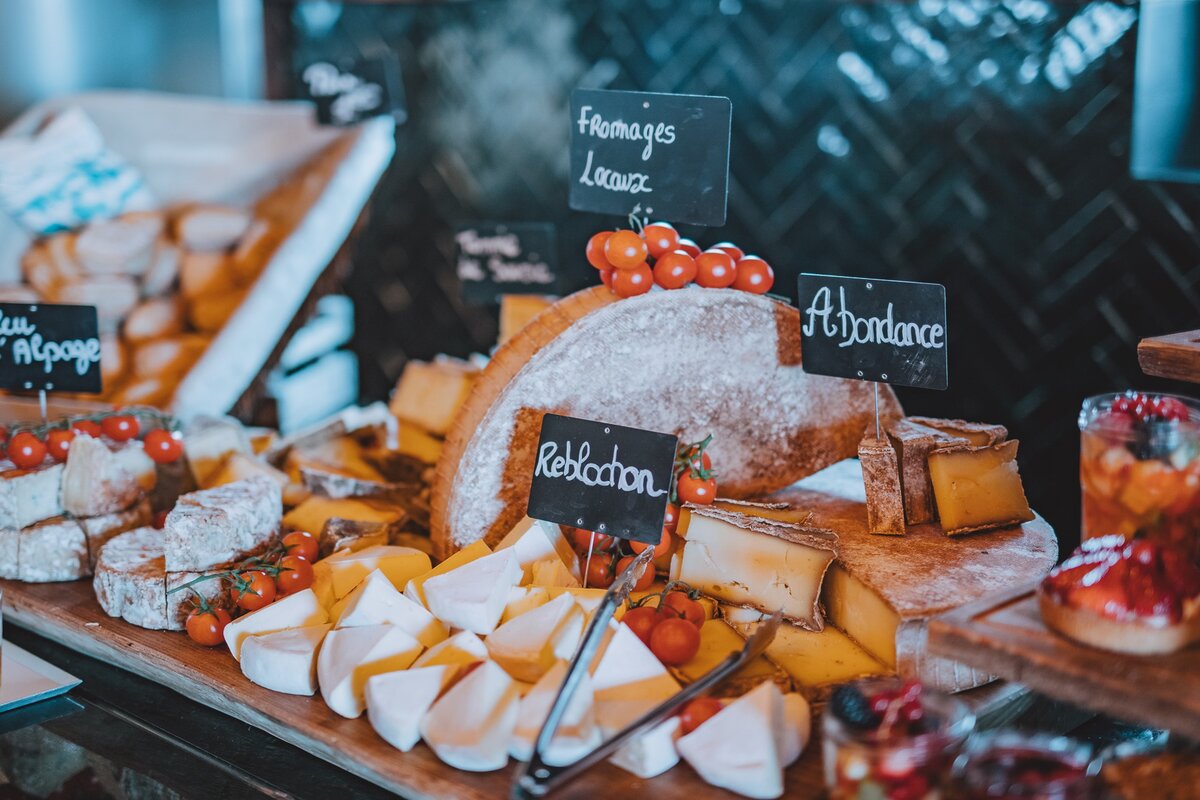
667	153
874	330
511	258
602	477
354	89
50	347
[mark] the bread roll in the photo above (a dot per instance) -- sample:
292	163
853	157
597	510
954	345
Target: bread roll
61	249
163	271
255	250
114	361
209	312
168	358
153	319
114	296
122	246
145	392
205	273
17	293
211	228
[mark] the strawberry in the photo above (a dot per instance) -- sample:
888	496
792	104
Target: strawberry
1181	574
1149	594
1102	591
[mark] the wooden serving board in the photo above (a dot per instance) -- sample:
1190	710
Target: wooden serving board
1004	635
68	613
1175	355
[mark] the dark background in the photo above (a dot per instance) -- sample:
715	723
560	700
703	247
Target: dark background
980	144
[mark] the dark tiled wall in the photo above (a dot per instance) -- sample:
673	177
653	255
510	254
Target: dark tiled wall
977	143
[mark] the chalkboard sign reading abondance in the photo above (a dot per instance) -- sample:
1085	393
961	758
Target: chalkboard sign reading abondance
667	153
874	330
512	258
49	347
602	477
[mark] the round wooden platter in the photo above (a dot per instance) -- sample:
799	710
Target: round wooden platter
691	362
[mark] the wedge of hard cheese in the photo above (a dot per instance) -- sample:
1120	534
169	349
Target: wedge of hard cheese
978	434
913	442
881	479
753	561
429	394
978	488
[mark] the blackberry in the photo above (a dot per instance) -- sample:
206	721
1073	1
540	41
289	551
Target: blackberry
853	708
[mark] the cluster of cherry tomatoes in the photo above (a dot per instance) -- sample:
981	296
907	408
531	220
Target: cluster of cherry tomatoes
671	626
26	449
624	259
260	581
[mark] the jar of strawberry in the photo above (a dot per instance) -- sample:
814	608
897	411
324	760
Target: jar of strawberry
1139	467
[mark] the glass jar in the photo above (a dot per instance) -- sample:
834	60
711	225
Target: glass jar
1140	478
863	764
1010	765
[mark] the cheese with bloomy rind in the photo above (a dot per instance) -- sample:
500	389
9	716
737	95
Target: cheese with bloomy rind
627	680
746	560
398	701
719	640
130	580
376	602
459	650
651	753
218	526
536	541
415	588
10	549
298	610
29	496
977	488
529	645
209	584
471	725
576	735
977	434
99	530
94	482
351	656
881	479
913	442
53	550
473	596
284	661
399	564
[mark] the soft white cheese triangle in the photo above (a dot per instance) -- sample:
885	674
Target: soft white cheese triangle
473	596
533	540
398	701
399	564
470	727
460	649
528	645
322	584
415	590
376	602
738	748
552	572
628	680
577	734
652	753
522	599
284	661
796	729
350	656
297	610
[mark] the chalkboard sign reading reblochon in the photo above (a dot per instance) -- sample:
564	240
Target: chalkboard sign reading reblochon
874	330
494	259
665	153
49	347
602	477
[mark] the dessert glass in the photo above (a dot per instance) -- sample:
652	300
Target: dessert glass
859	764
1141	479
1010	765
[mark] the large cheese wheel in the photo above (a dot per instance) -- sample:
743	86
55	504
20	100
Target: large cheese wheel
692	362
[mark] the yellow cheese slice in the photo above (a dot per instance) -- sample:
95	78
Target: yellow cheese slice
978	487
415	588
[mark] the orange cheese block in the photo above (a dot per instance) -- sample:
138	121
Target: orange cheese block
516	310
977	488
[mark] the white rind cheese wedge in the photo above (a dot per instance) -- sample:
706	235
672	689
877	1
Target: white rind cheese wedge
459	650
376	602
473	596
797	728
577	734
284	661
534	540
415	589
652	753
528	645
552	572
398	701
350	656
322	584
522	599
470	727
399	564
297	610
628	680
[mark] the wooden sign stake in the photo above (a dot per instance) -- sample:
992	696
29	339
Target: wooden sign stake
42	405
876	385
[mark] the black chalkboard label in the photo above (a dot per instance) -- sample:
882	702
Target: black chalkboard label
874	330
667	153
602	477
494	259
354	89
50	347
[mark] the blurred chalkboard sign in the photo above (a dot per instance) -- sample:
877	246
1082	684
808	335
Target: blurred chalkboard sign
874	330
667	153
602	477
49	347
350	90
494	259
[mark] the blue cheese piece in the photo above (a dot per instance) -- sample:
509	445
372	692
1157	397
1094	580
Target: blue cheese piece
99	530
29	496
53	550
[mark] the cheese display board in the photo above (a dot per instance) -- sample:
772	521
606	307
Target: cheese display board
1004	634
67	613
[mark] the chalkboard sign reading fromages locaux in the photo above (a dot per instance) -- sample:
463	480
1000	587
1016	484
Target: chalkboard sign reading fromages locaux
602	477
49	347
667	154
874	330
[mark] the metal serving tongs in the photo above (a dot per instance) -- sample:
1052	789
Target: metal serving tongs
537	778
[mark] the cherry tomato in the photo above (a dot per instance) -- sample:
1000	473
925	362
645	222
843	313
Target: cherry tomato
208	627
121	427
660	238
632	282
295	575
715	269
595	250
732	249
674	270
702	463
582	540
599	572
301	544
643	583
696	490
606	276
58	442
642	621
671	520
754	275
625	250
260	592
3	436
160	519
26	450
675	641
661	549
90	427
163	446
697	712
689	247
684	607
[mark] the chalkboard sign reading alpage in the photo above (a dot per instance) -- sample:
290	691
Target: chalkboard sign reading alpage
667	153
875	330
602	477
494	259
49	347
